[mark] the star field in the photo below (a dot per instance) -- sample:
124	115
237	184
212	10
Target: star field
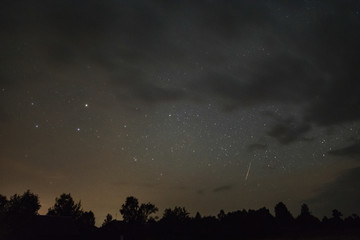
208	105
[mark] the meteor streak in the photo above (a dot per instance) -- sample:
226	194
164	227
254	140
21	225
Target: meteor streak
248	171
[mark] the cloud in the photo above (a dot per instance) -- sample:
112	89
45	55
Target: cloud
270	80
310	65
352	151
126	41
250	53
223	188
289	130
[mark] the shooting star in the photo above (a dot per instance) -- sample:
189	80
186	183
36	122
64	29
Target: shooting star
248	171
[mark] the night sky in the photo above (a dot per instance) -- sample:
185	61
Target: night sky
204	104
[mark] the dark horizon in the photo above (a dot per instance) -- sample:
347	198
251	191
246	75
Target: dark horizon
66	219
238	104
159	213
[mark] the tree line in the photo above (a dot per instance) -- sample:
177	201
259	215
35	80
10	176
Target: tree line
19	213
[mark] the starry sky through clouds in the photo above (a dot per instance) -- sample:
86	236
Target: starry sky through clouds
204	104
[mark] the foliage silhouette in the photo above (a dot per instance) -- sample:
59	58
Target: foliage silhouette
3	203
108	220
133	213
23	205
198	216
306	219
86	219
65	206
19	219
283	215
337	214
17	212
221	215
176	215
305	212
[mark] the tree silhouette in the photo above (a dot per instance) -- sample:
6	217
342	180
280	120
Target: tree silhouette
336	214
197	216
3	204
86	219
108	219
25	205
133	213
3	211
306	219
130	209
282	215
65	206
176	215
352	221
221	215
19	220
305	210
16	213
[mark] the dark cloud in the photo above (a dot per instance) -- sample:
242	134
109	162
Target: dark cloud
252	53
128	40
272	81
352	151
289	130
223	188
257	146
317	72
343	194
